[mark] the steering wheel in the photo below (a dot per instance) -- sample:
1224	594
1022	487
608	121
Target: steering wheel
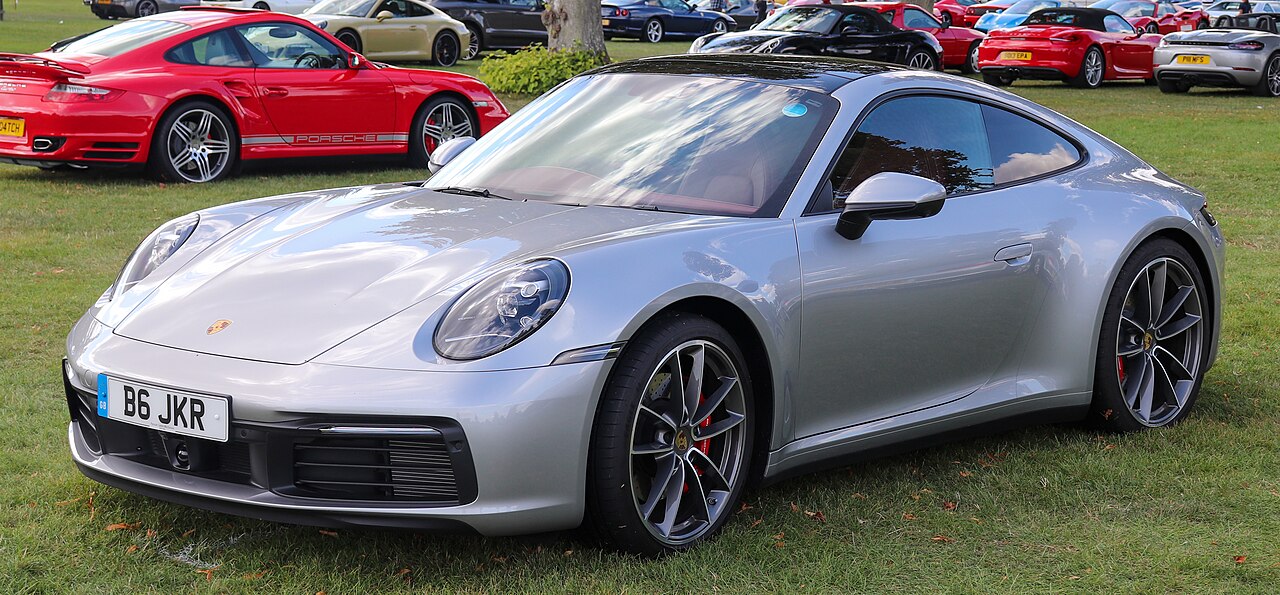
313	60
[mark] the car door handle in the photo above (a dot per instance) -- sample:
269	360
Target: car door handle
1015	254
275	91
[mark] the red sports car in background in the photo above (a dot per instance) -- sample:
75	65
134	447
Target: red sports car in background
974	12
1156	17
191	93
959	45
951	12
1083	46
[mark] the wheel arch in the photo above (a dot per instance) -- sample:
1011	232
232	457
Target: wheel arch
447	92
755	351
237	118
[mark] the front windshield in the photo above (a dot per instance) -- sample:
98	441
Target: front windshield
1127	8
663	142
1029	6
121	38
347	8
811	19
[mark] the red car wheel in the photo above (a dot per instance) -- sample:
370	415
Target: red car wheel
195	142
439	120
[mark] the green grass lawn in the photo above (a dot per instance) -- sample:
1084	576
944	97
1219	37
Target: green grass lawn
1195	508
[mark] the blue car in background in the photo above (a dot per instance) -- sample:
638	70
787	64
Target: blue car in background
1017	13
655	20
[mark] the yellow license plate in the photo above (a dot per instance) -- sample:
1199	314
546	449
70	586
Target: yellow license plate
1193	59
13	127
604	22
103	1
1015	55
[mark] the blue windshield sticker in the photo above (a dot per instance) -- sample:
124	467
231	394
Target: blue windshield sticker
795	110
102	395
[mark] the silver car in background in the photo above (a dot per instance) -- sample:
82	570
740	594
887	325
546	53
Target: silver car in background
112	9
1235	57
664	281
1223	14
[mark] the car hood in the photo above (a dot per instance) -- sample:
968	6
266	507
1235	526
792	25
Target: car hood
299	280
744	41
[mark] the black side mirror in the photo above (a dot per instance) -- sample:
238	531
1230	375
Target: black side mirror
889	195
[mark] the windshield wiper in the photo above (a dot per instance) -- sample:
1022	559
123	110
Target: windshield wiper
481	192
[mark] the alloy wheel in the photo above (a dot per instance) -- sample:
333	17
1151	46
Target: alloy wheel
473	46
1093	68
921	60
653	31
973	58
687	442
446	121
1273	76
719	27
1159	342
147	8
199	145
445	51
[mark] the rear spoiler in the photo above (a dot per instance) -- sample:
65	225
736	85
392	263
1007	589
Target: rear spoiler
27	65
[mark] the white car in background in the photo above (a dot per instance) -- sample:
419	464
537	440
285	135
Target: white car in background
1231	9
286	6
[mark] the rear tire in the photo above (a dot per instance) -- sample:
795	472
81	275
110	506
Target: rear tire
446	49
195	142
997	80
1269	86
1152	28
1224	22
475	46
653	487
262	6
146	8
654	31
1151	360
1202	24
946	19
440	119
351	39
1093	68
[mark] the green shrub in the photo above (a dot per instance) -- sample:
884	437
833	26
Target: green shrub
535	70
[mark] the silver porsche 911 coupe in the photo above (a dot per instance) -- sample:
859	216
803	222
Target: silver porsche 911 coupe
662	282
1247	55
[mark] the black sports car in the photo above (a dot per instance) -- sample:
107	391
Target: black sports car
655	20
830	30
497	24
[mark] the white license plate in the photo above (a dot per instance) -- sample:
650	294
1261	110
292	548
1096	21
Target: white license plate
164	409
1187	27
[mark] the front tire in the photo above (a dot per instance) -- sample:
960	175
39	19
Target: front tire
970	65
922	60
1153	346
446	49
147	8
351	39
719	26
439	119
1269	85
654	31
1093	69
195	143
1224	22
671	444
946	19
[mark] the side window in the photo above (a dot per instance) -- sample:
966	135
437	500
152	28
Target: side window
416	10
1164	9
395	7
215	49
1115	24
675	5
917	19
286	45
949	146
858	21
1021	148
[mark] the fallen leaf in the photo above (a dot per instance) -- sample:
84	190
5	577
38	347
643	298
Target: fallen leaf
948	505
1239	559
794	508
321	593
66	502
816	515
131	549
906	516
779	544
780	535
915	497
253	576
1073	578
859	495
189	533
568	552
208	572
328	533
755	523
744	507
1109	447
965	474
151	533
500	559
119	526
941	539
403	571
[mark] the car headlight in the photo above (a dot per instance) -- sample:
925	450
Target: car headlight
698	43
768	46
153	251
322	24
502	310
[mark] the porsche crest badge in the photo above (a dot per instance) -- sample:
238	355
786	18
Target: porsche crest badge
218	326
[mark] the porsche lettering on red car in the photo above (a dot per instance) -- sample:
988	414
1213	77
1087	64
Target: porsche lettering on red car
1081	46
193	93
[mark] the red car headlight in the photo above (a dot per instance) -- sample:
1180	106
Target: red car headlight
71	93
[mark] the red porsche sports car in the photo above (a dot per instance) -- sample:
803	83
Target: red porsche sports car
193	92
959	44
1083	46
951	12
1156	16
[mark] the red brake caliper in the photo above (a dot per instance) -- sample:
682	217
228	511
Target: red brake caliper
702	445
1120	368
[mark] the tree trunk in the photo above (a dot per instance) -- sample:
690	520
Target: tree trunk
574	25
927	5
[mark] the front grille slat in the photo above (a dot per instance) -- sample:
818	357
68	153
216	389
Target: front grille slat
380	469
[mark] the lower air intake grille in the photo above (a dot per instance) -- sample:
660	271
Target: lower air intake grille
383	469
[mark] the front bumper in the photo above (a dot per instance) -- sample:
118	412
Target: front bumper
110	134
1226	68
517	439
